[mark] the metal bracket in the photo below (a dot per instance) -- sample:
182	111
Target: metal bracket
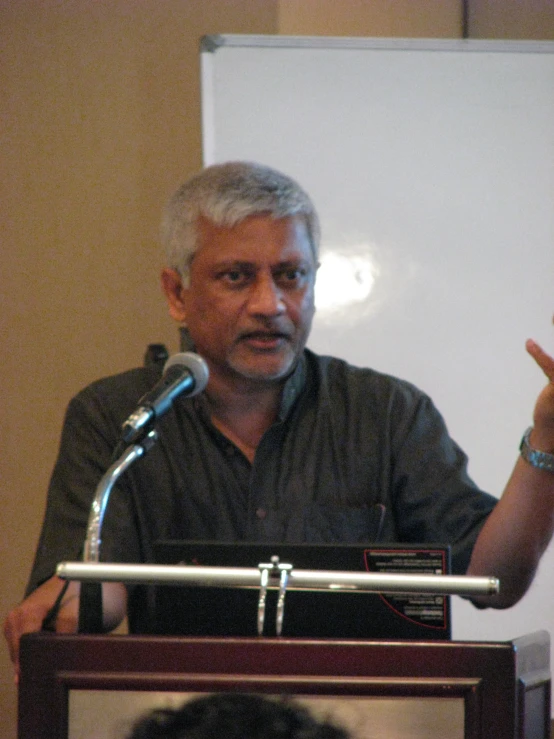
274	569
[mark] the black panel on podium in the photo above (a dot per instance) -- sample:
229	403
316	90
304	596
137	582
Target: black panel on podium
198	611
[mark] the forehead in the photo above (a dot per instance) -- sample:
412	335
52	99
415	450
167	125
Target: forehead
257	238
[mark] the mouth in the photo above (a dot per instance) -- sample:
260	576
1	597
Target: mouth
265	340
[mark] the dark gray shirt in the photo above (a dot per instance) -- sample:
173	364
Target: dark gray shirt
355	456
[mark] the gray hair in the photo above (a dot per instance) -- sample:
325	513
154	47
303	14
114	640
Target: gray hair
227	194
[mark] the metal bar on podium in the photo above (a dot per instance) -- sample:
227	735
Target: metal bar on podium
279	576
336	581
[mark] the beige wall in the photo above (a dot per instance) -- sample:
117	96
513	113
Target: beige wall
100	101
100	120
522	19
410	18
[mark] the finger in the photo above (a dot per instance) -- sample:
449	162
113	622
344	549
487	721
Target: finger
20	621
11	635
544	360
12	638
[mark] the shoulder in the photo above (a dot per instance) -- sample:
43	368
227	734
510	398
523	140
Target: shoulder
125	384
337	375
363	395
115	396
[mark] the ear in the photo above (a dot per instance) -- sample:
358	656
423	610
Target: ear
174	291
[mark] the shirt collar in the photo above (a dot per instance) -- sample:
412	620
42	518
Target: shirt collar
292	388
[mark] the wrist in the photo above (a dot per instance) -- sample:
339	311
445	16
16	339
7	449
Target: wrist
535	457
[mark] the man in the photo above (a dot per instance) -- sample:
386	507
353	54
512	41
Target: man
235	716
283	445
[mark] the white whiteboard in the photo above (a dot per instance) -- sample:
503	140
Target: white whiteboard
432	166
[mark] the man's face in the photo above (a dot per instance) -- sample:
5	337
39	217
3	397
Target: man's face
250	301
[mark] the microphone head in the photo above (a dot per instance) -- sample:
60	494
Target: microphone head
195	365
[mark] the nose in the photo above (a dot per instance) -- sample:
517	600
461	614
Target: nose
266	298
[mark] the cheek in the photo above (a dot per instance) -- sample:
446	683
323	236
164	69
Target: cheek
308	302
212	314
303	310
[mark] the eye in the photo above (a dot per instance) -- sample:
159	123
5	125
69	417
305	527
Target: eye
234	276
291	276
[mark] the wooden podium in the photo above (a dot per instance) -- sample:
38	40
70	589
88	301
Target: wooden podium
497	690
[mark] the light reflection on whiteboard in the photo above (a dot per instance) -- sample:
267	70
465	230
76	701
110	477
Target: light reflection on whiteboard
345	280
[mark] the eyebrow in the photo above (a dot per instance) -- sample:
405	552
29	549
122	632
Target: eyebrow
242	263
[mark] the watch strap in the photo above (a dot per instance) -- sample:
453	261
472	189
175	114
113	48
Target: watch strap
541	460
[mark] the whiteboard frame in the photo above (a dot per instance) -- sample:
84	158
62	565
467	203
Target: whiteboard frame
507	391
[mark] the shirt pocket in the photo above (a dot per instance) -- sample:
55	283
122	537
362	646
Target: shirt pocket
338	524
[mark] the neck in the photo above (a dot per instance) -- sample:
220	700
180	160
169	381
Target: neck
243	415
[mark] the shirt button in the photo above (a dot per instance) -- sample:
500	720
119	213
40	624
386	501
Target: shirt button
261	513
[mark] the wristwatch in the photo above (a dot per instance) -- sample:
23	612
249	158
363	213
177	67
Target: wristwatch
542	460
